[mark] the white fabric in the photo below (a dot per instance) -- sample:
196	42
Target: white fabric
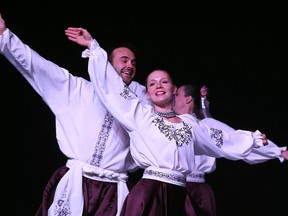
205	164
85	131
149	145
260	153
164	175
264	153
68	193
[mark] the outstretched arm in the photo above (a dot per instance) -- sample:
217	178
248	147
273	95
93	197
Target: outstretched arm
53	83
80	36
268	152
258	155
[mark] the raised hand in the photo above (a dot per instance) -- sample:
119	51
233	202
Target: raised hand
79	35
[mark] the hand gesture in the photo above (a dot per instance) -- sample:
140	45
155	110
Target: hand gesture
285	154
79	35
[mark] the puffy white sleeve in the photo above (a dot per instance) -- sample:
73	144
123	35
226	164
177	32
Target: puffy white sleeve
258	153
117	97
216	139
264	153
51	82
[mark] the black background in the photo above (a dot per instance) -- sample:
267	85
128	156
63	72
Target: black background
238	49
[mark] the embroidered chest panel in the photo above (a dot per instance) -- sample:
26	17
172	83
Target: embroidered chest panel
102	140
181	135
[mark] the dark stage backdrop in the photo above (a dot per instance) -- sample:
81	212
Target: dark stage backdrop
238	50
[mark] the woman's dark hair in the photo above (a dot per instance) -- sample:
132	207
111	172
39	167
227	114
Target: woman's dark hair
191	90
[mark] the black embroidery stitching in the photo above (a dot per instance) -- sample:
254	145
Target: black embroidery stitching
127	92
165	175
102	140
218	136
62	207
181	136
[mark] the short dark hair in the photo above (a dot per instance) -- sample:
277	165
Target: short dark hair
116	46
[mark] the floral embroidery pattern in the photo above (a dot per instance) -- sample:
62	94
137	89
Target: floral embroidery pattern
181	136
218	136
102	141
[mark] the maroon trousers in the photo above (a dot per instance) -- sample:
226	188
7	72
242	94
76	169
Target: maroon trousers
100	198
202	197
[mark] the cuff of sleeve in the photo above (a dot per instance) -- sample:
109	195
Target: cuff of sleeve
87	52
280	157
257	138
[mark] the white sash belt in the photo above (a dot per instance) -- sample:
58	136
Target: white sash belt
165	175
69	199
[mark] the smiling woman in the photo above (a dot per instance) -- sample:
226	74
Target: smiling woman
178	138
241	58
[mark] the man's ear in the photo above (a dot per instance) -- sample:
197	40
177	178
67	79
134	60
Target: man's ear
188	99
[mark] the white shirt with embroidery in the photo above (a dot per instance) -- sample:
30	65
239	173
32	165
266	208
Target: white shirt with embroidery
204	164
155	142
95	143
